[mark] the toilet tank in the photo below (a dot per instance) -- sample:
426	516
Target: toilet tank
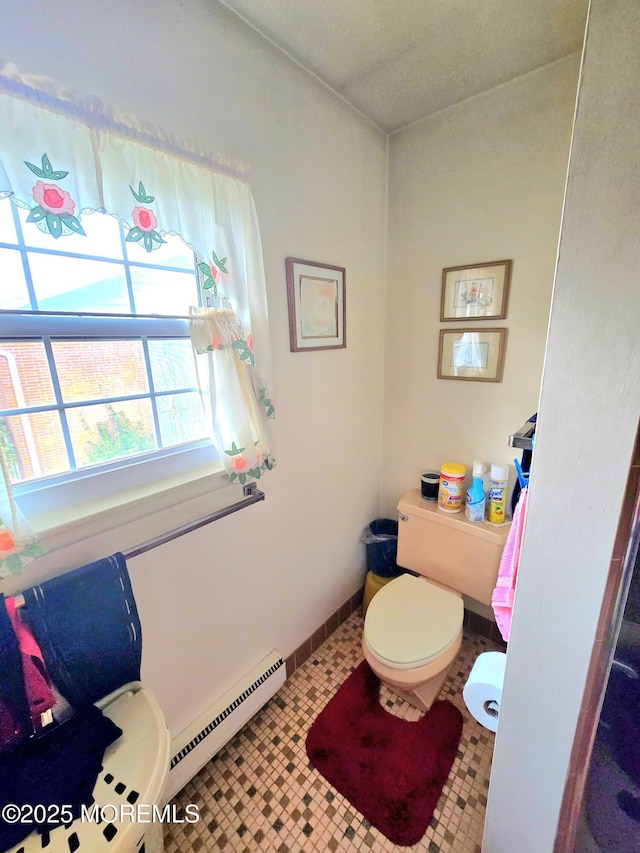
446	548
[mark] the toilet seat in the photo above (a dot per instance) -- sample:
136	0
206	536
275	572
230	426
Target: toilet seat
411	622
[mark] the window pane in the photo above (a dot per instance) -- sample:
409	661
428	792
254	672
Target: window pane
36	445
13	289
93	370
7	228
102	236
172	365
110	431
75	284
163	292
24	375
181	418
173	253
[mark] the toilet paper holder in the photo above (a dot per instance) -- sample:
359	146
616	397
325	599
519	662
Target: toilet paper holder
492	708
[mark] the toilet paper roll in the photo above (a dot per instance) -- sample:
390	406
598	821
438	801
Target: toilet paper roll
483	691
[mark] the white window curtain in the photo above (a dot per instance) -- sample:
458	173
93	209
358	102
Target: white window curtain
63	157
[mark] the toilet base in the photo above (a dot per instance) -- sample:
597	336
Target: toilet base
423	696
418	686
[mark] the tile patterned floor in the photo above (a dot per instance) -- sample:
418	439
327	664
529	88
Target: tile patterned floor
260	792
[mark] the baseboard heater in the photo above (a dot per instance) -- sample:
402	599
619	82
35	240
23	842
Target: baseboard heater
200	741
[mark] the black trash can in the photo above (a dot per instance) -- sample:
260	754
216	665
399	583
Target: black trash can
381	540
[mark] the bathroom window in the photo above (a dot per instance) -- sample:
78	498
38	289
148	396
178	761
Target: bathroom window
97	374
100	300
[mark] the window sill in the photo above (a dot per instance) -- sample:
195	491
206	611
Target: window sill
127	519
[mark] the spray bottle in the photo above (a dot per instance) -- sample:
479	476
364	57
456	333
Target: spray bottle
474	509
497	494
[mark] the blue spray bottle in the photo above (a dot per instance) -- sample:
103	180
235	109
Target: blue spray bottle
474	508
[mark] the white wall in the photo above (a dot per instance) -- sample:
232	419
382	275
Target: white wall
217	600
589	411
480	181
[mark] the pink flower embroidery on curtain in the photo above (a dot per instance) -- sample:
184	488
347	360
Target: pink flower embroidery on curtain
53	200
54	207
213	271
145	221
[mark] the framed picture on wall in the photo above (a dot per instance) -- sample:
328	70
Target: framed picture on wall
472	354
476	291
317	305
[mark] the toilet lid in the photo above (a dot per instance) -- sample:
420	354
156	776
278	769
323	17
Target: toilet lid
411	622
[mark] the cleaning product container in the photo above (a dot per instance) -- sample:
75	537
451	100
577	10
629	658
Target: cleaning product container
497	494
475	503
451	487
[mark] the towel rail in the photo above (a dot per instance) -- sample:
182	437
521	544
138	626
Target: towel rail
252	494
524	437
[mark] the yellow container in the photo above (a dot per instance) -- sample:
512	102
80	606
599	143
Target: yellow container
451	488
373	583
497	497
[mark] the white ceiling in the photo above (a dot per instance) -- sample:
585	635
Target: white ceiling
397	61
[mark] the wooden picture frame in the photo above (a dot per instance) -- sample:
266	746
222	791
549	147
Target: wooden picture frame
316	295
476	292
473	354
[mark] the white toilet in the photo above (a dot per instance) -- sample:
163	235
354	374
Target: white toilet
413	625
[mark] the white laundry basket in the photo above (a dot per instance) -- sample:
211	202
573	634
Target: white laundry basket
134	772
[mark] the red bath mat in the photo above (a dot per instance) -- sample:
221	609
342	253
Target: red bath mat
391	770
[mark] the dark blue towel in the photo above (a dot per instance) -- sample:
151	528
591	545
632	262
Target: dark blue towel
87	626
58	768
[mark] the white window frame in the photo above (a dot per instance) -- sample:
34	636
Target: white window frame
41	496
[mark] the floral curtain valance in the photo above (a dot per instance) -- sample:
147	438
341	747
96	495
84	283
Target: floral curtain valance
62	159
60	166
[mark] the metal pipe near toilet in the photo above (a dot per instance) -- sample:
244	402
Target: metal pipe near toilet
252	494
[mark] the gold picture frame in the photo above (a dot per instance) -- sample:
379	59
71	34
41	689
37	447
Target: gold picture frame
476	292
473	354
316	295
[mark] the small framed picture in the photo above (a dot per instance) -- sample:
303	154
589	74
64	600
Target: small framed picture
317	305
472	354
476	292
